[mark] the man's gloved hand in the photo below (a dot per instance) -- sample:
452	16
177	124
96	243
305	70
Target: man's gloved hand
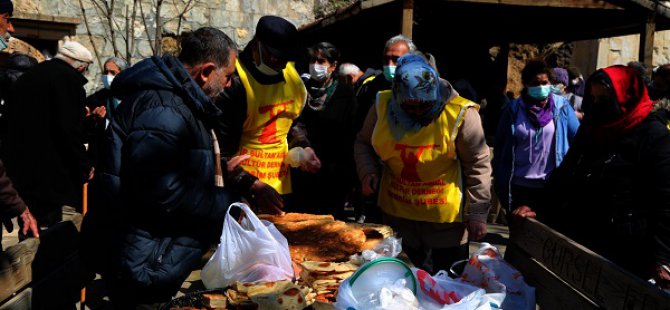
266	198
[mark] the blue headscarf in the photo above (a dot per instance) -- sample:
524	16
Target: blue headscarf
414	79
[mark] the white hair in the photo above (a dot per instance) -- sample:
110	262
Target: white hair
73	62
348	68
400	38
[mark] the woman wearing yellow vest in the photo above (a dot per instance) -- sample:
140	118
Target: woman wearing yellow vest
435	184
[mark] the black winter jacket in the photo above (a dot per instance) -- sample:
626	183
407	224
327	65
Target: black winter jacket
43	143
615	198
157	179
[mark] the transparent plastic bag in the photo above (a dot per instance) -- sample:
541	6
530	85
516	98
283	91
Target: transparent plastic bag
389	247
250	251
487	269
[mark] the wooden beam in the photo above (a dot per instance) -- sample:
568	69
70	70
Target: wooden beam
594	276
407	17
551	292
576	4
647	41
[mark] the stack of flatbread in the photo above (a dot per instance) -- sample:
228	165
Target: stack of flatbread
325	278
283	295
318	237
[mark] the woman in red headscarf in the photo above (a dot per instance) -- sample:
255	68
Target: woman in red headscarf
615	180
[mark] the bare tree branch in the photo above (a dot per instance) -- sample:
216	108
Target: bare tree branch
183	13
146	28
159	29
110	23
128	34
90	36
131	33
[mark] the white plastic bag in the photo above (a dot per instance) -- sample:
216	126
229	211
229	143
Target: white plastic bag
251	251
488	270
440	292
392	296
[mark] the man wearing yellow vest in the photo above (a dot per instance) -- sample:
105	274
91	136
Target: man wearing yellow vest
258	112
434	189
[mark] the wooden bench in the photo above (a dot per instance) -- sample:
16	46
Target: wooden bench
47	272
567	275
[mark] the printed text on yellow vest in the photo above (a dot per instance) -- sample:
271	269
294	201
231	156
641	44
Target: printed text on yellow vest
271	110
422	178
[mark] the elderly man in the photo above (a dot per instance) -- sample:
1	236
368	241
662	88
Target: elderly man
258	112
394	48
6	27
156	190
43	141
366	95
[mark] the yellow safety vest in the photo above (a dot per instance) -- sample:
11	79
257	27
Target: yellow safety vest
422	175
271	110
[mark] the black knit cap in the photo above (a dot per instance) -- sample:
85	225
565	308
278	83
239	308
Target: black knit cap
6	6
279	36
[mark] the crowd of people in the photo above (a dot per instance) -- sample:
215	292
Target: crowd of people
174	140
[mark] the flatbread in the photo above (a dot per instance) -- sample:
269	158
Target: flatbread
294	217
327	267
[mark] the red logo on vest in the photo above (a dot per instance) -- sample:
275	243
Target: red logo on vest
269	133
410	156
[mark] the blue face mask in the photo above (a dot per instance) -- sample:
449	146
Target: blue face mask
556	89
389	73
539	92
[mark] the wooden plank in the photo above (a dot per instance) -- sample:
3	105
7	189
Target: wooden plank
550	291
593	275
647	42
576	4
407	17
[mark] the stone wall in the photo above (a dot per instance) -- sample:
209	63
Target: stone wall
621	50
237	18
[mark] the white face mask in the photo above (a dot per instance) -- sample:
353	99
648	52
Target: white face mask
263	68
107	80
318	72
575	81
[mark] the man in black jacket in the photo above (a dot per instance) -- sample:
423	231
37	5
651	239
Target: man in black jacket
43	138
157	177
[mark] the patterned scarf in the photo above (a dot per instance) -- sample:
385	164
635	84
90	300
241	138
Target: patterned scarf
414	80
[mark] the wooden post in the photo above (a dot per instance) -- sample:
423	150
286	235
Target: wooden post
407	17
647	41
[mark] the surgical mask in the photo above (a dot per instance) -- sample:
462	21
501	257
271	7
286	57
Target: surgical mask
318	72
539	92
574	81
389	73
107	80
263	68
557	89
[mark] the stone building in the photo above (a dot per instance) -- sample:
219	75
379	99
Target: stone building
43	23
621	50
